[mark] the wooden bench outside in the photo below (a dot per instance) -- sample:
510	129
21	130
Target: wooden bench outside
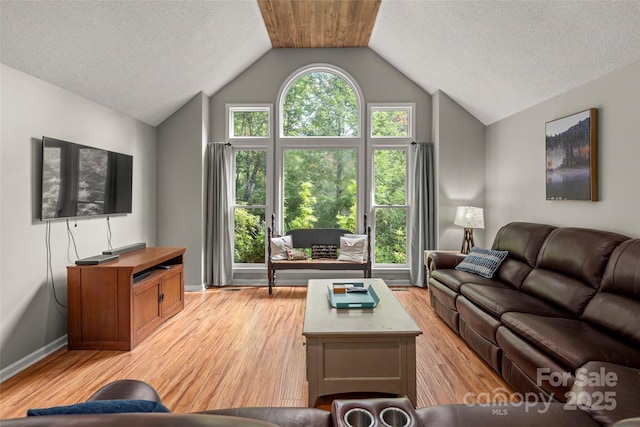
305	238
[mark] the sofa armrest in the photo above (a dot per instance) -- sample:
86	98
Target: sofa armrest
504	414
443	260
284	417
126	390
608	392
629	422
137	420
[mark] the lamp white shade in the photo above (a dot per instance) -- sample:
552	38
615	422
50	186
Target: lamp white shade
469	217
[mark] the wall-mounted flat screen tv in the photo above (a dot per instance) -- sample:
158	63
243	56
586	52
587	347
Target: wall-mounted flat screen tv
80	181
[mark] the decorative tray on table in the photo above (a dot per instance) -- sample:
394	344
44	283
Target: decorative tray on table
352	295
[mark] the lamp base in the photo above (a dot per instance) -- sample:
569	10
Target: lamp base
467	241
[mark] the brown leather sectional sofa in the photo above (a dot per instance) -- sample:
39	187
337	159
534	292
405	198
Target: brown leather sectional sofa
349	413
563	297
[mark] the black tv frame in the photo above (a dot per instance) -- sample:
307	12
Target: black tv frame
114	181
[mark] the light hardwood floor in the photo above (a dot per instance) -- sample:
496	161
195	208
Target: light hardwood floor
240	346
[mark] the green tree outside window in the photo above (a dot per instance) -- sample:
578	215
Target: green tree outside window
250	123
320	103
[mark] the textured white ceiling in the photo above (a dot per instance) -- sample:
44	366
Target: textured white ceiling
147	58
142	58
496	58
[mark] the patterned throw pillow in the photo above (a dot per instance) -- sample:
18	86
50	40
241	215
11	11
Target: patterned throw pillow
483	262
296	254
324	252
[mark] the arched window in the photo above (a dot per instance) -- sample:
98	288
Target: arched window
320	150
320	102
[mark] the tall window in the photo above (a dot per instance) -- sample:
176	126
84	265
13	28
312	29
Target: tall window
390	208
250	206
320	148
249	130
391	130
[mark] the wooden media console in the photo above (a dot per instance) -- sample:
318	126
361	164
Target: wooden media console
116	304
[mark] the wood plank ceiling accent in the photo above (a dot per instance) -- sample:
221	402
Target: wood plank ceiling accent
319	23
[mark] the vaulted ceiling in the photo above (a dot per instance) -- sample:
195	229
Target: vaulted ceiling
147	58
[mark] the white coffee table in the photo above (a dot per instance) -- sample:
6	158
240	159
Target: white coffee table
359	350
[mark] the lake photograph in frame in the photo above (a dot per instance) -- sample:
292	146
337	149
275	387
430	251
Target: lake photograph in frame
570	146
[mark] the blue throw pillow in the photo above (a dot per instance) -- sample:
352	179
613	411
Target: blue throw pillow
483	262
102	407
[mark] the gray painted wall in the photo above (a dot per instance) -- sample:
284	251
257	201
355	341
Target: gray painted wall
30	320
516	159
460	168
182	140
378	80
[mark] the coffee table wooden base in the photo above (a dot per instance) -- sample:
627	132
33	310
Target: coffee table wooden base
367	364
359	350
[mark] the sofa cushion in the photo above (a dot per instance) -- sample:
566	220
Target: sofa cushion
622	275
564	291
482	261
480	321
570	266
573	342
615	313
488	351
448	315
498	301
522	240
445	295
617	306
522	362
580	253
512	272
453	279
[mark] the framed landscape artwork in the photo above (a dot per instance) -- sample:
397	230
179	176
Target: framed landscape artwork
571	155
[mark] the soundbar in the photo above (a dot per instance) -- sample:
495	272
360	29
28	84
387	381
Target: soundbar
95	260
141	275
124	249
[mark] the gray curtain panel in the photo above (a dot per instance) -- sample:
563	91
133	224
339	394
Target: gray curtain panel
423	226
218	249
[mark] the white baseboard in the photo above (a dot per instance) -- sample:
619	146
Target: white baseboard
22	364
195	288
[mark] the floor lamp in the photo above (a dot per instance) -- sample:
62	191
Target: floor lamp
468	217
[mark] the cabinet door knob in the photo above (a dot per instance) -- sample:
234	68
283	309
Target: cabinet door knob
161	297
